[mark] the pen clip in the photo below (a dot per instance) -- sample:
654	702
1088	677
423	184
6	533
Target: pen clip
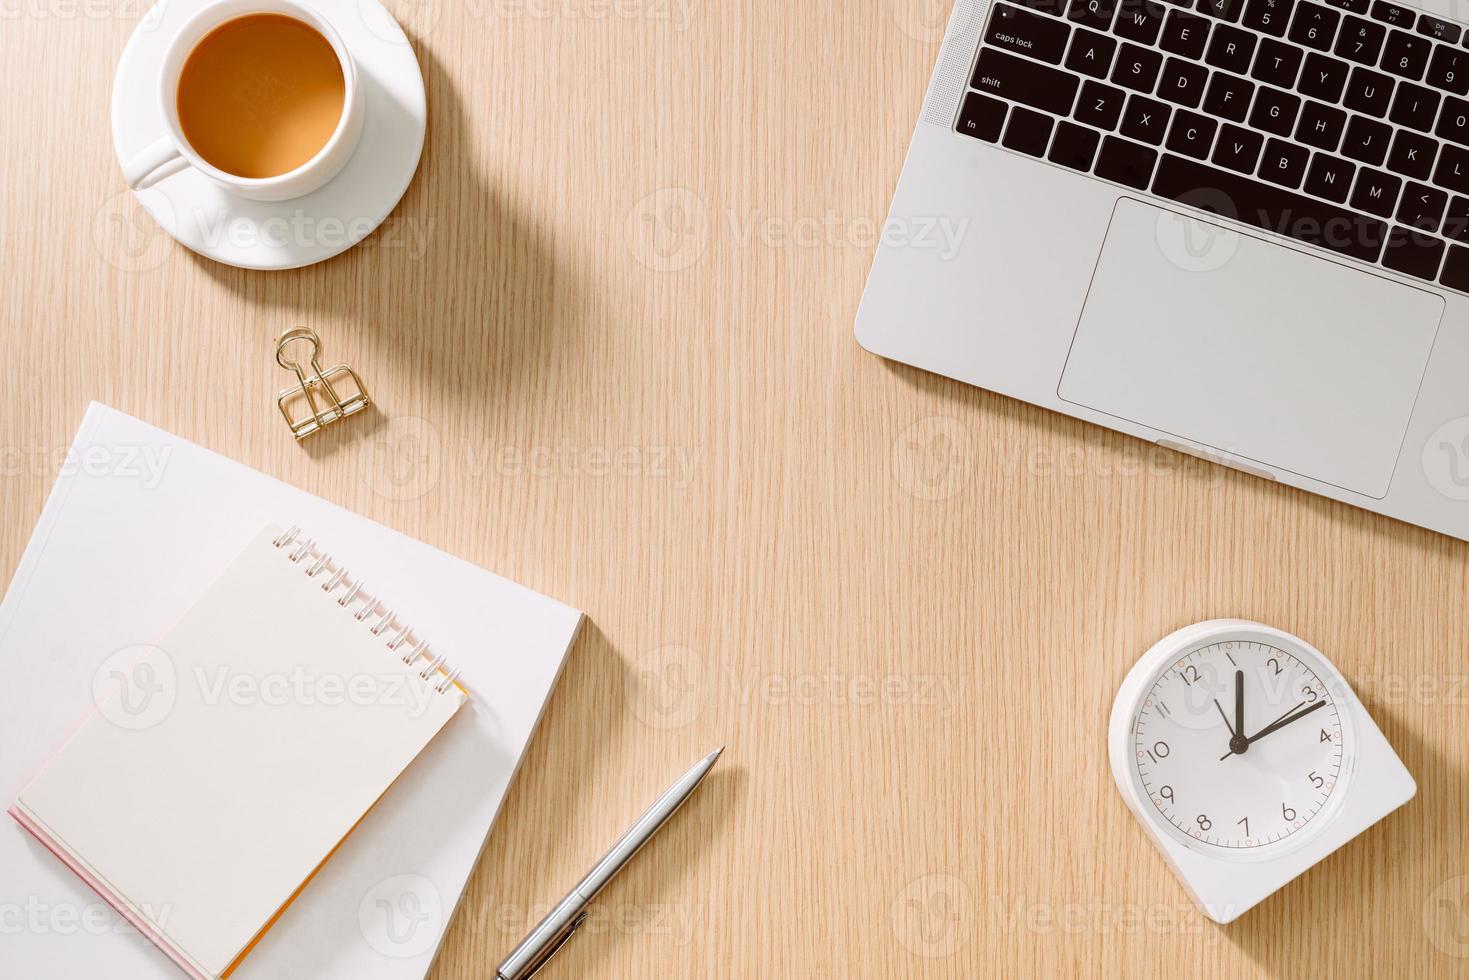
550	951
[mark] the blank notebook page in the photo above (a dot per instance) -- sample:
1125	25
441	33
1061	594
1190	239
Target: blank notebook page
283	720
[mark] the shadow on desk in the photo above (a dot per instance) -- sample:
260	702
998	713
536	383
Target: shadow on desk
453	277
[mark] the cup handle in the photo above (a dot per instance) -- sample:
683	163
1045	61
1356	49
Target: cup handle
161	159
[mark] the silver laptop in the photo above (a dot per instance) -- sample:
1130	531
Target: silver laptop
1238	228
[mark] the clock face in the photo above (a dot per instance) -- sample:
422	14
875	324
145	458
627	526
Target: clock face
1239	744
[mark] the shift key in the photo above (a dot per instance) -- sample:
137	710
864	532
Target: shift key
1026	32
1026	82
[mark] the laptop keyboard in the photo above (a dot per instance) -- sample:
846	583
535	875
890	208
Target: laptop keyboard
1344	124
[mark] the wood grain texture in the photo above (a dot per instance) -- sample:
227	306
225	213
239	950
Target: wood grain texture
608	332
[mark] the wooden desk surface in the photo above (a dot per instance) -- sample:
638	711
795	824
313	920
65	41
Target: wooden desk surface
609	329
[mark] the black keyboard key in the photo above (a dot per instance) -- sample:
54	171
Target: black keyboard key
1455	273
1366	141
1323	77
1228	10
1277	64
1439	30
1453	122
1449	69
1027	82
1228	97
1406	54
1360	41
1096	14
1413	253
1415	107
1028	131
1191	134
1023	32
1272	208
981	117
1368	92
1412	154
1137	68
1275	111
1422	207
1091	53
1283	163
1330	177
1391	13
1146	120
1139	20
1321	126
1456	219
1230	48
1074	146
1099	105
1314	26
1376	192
1452	170
1268	16
1183	82
1238	149
1185	34
1352	6
1126	163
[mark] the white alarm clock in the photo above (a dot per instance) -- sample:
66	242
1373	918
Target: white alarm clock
1247	758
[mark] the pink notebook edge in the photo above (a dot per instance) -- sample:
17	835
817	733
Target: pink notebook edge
107	894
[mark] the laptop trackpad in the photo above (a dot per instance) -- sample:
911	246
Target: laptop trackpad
1251	348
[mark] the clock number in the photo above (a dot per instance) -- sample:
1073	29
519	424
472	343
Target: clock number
1316	780
1204	822
1184	674
1287	812
1158	751
1310	693
1324	736
1246	822
1276	664
1166	792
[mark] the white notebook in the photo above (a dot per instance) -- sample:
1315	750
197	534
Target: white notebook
226	763
137	527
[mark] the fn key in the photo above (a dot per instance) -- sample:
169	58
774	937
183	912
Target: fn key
981	117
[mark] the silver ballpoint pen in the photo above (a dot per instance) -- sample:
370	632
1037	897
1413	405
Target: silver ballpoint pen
553	931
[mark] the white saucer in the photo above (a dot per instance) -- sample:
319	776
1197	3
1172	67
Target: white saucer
282	234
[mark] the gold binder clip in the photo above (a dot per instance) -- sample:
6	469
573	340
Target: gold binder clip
317	386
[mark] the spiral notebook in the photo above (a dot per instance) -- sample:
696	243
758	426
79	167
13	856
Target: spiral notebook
149	543
235	755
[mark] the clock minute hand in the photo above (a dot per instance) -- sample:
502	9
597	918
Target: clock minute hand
1281	723
1239	702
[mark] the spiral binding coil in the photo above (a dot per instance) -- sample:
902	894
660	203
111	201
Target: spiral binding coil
383	619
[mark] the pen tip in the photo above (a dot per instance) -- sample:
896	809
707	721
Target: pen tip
712	756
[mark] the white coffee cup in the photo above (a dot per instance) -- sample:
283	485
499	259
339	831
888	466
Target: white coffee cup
172	153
